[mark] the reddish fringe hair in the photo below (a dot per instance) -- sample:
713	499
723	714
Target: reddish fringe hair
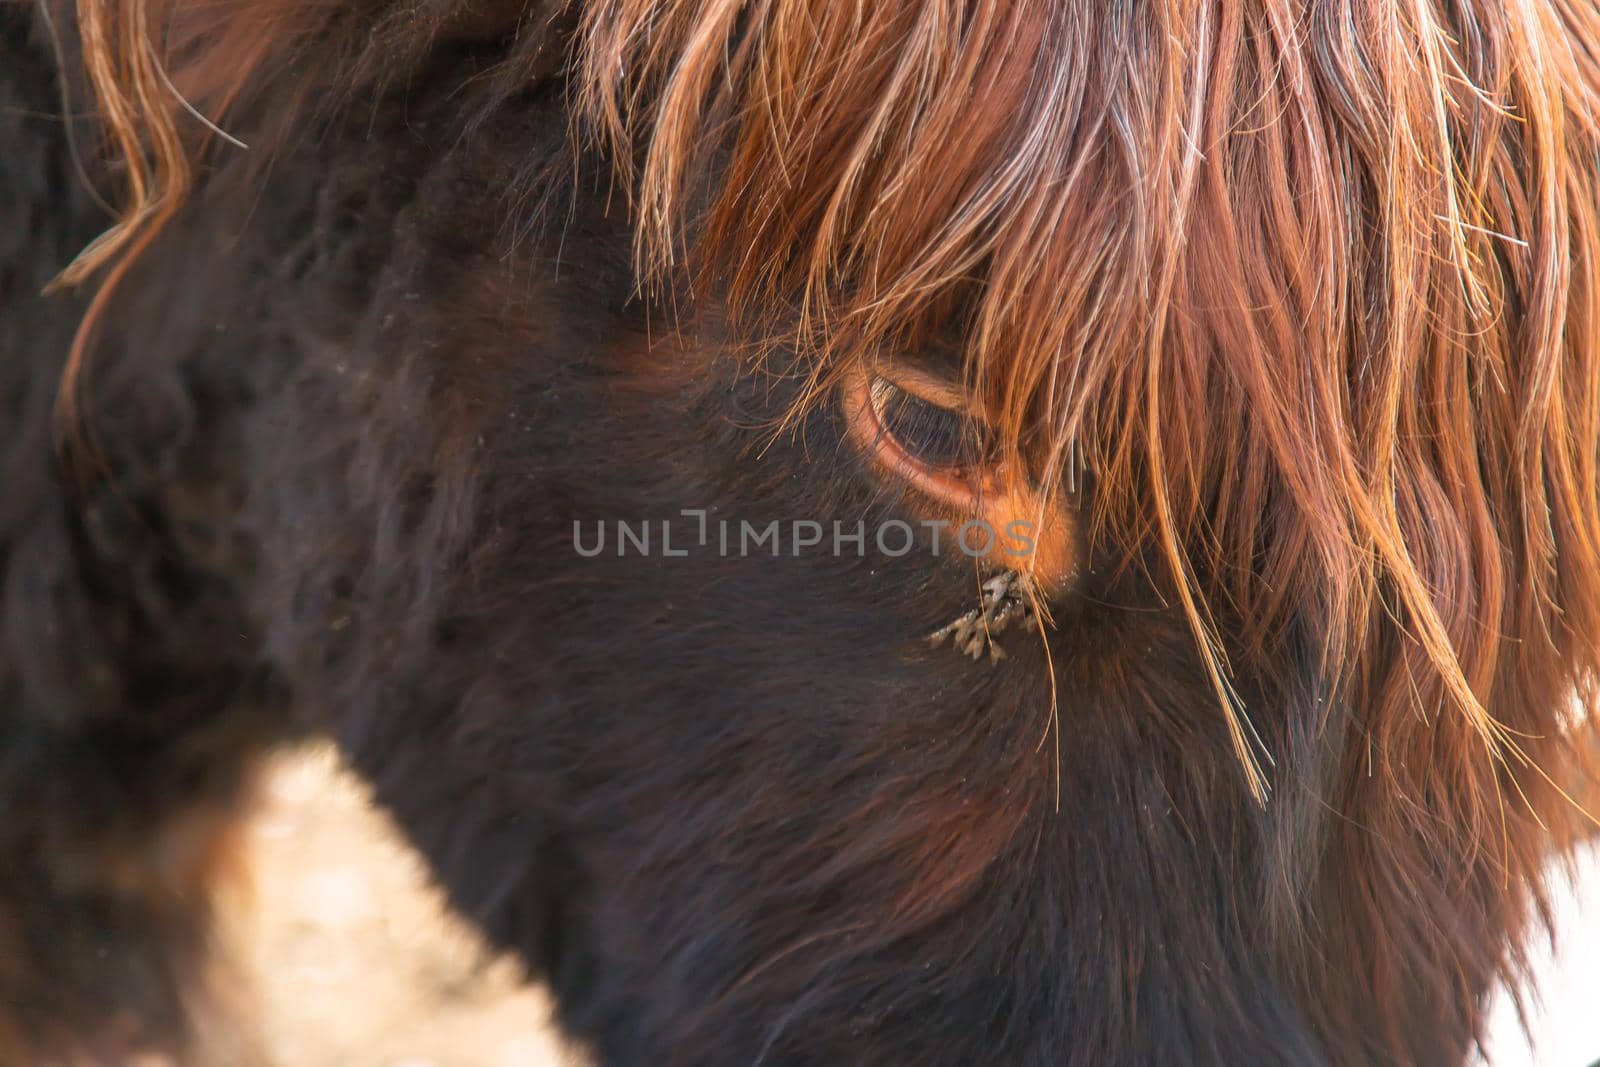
1307	290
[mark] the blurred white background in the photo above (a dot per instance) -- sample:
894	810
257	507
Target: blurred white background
1564	1003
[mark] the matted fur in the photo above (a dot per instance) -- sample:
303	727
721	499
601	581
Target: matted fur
1305	293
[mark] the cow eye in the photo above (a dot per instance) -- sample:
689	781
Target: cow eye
925	433
919	431
937	436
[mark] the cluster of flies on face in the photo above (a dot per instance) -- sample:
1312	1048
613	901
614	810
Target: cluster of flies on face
1006	597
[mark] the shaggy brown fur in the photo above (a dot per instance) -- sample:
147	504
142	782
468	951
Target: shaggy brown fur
1298	298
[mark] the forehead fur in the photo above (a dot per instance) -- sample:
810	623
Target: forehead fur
1305	288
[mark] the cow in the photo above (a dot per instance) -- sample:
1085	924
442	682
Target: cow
920	532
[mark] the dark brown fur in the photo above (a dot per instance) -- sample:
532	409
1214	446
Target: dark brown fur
1305	290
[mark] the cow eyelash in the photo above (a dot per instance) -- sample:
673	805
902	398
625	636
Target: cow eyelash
938	437
918	429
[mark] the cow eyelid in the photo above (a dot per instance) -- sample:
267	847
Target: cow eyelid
929	432
911	428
